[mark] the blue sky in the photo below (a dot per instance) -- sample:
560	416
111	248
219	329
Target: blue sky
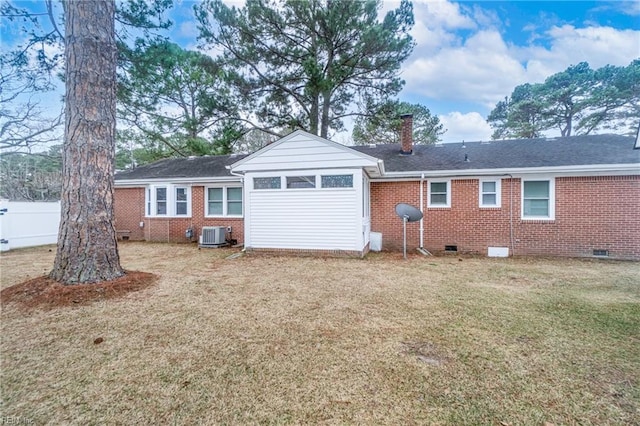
471	54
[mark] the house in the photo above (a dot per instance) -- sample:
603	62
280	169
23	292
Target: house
573	196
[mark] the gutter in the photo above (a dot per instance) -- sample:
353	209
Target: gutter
192	180
602	170
241	176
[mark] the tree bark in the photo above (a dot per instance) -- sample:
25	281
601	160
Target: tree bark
87	245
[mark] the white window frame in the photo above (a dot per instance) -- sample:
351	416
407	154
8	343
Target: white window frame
225	201
151	202
498	194
552	198
439	206
303	177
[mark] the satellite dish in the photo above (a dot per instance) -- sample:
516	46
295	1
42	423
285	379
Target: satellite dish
408	212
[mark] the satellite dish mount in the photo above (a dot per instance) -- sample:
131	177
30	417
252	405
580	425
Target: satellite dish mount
407	213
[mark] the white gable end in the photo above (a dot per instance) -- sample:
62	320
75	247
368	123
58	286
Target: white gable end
302	150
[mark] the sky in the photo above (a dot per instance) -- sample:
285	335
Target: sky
471	54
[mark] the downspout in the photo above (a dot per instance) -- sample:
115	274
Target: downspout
422	210
511	242
244	219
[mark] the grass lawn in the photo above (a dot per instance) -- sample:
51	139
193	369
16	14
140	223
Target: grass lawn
380	340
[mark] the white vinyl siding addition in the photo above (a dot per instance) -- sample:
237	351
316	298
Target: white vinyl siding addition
313	210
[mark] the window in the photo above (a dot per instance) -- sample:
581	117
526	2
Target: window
234	201
298	182
168	200
224	201
336	181
538	199
215	202
161	201
267	182
439	194
181	201
490	193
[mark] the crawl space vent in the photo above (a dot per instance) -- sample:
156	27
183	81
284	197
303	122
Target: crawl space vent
601	253
451	248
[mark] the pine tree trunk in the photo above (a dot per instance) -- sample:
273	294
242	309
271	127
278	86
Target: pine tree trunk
87	246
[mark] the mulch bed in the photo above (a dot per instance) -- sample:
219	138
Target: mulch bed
45	293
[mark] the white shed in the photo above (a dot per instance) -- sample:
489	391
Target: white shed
306	193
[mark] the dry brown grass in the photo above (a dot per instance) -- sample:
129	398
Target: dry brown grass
431	340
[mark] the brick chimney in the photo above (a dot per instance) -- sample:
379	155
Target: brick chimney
406	134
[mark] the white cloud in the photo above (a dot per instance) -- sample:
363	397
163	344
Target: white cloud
477	65
481	71
188	29
443	14
465	127
597	45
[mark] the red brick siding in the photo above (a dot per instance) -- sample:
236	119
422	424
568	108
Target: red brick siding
384	197
130	206
591	213
129	209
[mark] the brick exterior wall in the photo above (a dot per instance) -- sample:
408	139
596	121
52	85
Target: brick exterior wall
591	213
129	209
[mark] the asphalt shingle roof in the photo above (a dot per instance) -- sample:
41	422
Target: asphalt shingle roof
504	154
191	167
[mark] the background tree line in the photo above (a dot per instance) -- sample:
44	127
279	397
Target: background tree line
281	66
579	100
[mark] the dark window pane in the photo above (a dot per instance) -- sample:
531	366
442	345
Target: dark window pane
266	183
337	181
489	199
536	189
438	199
439	187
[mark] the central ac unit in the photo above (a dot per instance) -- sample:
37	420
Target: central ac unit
212	236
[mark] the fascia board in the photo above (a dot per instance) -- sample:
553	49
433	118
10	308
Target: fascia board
582	170
142	182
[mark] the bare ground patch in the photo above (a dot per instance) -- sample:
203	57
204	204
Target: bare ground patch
43	292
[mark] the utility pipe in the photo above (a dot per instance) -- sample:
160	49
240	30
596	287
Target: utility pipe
422	210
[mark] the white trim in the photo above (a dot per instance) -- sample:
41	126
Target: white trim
448	194
225	201
498	193
559	171
136	183
629	169
552	199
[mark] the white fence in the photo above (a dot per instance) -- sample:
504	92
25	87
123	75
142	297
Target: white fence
25	224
